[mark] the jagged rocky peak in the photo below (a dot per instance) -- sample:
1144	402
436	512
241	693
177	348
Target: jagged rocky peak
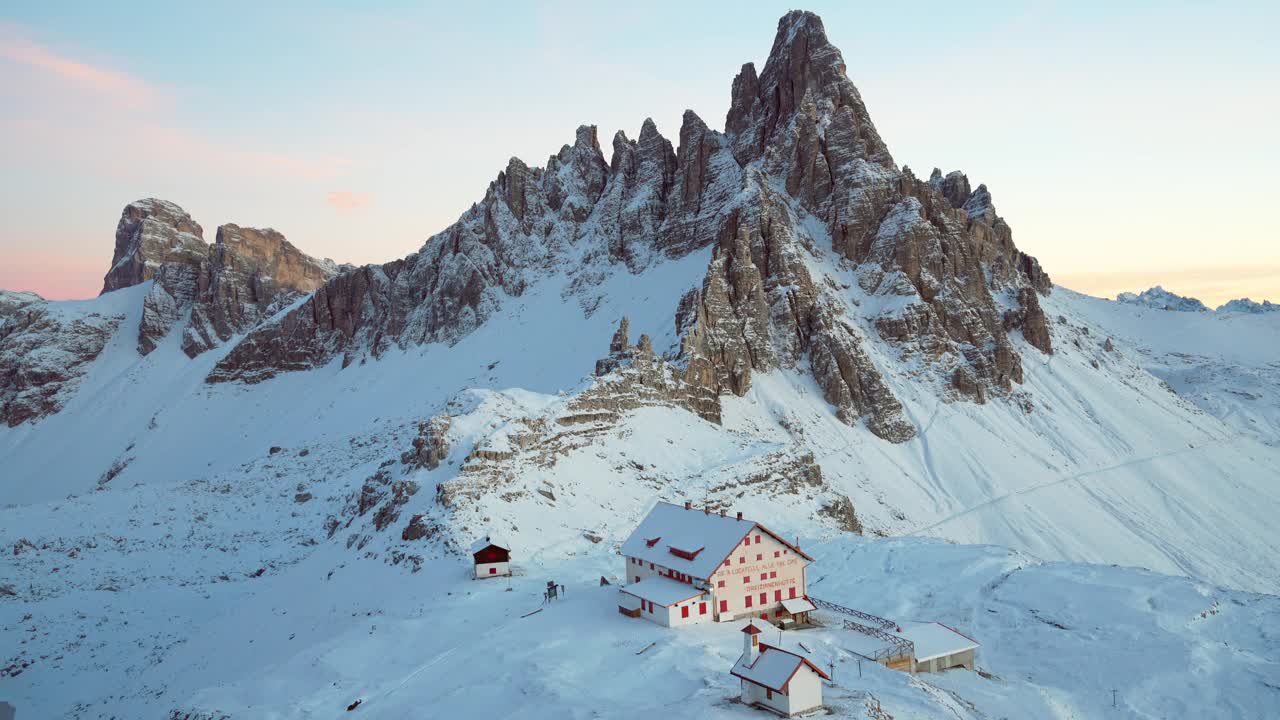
803	87
1245	305
1161	299
150	233
246	274
799	188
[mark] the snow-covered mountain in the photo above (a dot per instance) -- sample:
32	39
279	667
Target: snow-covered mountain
238	482
1161	299
1245	305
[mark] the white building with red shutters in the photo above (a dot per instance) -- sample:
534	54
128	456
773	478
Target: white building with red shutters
687	565
783	681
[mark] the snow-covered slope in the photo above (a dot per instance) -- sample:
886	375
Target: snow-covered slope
1226	363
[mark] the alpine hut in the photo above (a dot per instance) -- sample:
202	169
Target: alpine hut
492	557
686	565
778	680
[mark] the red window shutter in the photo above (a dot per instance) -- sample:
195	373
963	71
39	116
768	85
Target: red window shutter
777	596
776	553
773	574
727	562
720	584
759	557
793	592
702	608
724	606
768	694
746	579
742	559
684	611
493	571
748	601
757	539
764	598
764	616
637	578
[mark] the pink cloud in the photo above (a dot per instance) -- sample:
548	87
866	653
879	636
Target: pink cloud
345	201
117	86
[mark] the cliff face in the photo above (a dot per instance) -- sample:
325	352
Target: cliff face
227	287
799	147
825	257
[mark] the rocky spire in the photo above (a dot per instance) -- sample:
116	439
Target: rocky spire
150	233
803	84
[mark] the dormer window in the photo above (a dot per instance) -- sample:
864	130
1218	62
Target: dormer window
686	554
651	543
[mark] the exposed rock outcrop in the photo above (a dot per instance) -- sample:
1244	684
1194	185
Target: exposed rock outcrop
228	287
43	357
431	446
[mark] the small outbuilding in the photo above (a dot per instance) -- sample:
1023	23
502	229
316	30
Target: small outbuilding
797	610
777	680
939	647
492	557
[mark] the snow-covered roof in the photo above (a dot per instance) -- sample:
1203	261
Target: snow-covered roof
798	605
488	540
662	591
935	640
703	539
773	668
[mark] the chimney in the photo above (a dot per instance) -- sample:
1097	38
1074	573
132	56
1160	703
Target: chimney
750	642
721	512
739	514
688	505
797	543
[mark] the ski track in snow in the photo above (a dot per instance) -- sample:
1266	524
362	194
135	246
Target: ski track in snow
1060	481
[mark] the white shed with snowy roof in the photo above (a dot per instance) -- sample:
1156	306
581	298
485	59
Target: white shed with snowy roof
728	567
492	557
782	681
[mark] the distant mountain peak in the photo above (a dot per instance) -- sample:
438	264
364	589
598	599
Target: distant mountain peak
1245	305
1161	299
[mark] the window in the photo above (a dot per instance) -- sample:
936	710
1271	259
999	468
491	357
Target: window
784	552
746	579
724	606
748	601
768	694
493	571
777	596
637	578
726	562
773	574
742	559
650	566
764	616
684	611
720	583
793	592
757	539
776	553
759	557
747	540
702	608
764	598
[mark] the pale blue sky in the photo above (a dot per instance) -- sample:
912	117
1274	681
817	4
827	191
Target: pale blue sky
1126	143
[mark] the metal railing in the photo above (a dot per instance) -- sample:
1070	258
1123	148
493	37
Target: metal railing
883	623
897	647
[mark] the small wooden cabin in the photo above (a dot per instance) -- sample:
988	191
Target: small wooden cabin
492	557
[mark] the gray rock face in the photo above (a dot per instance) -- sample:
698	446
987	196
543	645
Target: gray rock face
800	174
150	234
246	275
43	357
